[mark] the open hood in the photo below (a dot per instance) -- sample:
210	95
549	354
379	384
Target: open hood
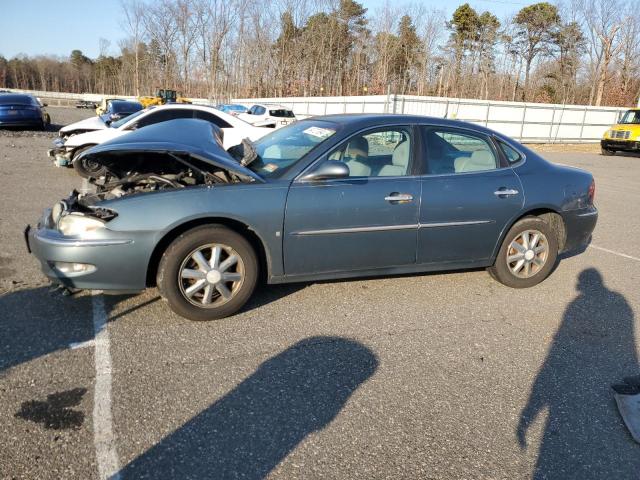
196	138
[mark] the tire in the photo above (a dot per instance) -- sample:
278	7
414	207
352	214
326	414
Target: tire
606	152
534	269
86	168
179	273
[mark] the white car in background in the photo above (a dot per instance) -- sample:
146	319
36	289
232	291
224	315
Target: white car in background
268	115
234	129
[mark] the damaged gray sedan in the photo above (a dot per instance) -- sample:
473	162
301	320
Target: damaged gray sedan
326	197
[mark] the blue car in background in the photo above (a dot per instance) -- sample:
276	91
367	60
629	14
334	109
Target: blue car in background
20	110
119	109
232	108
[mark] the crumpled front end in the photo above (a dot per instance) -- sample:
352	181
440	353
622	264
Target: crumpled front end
76	248
60	154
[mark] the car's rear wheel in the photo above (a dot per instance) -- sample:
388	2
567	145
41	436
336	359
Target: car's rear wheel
527	255
207	273
87	167
606	152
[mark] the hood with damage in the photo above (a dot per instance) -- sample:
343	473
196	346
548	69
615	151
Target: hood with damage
196	138
93	123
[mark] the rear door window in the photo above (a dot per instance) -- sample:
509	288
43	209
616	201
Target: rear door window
458	151
164	115
211	118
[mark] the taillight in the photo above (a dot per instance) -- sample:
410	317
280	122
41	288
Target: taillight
592	191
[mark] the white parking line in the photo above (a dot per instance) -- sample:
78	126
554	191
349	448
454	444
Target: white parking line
623	255
103	437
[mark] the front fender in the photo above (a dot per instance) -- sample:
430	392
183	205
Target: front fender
258	206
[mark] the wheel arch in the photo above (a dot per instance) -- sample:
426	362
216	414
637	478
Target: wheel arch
551	216
237	226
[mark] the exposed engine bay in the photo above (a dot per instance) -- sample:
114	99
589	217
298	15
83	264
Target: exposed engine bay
127	173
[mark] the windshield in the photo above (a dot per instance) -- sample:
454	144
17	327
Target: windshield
632	116
280	150
124	120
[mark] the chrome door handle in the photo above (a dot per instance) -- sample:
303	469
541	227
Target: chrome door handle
399	197
505	192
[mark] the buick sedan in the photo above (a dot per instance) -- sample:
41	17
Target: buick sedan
323	198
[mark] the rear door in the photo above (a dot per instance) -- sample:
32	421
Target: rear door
469	196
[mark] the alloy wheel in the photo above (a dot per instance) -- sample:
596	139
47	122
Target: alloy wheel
211	275
527	253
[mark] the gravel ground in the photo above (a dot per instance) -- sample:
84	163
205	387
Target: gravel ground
420	376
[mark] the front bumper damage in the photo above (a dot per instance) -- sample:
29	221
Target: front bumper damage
60	154
108	261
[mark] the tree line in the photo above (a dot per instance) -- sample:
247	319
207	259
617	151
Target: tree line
580	51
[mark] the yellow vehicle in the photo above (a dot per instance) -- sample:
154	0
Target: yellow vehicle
163	96
624	136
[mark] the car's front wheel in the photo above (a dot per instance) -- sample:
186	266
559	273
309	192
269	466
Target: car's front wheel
527	255
86	167
207	273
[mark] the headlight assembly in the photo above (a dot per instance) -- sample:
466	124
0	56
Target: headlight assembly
74	224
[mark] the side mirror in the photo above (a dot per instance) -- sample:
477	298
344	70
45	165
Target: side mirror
45	104
327	170
107	122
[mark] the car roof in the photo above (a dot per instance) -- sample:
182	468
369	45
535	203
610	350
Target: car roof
16	97
127	102
190	106
365	120
271	105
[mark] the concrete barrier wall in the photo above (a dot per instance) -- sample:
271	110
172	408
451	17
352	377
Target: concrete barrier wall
527	122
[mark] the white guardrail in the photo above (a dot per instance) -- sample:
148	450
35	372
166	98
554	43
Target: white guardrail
527	122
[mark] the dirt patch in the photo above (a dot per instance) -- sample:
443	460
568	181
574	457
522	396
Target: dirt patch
565	147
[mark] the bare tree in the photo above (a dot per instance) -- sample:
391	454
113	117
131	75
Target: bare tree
605	20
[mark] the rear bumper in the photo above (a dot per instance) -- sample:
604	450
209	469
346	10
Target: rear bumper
579	225
625	145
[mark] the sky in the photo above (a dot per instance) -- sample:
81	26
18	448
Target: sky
56	27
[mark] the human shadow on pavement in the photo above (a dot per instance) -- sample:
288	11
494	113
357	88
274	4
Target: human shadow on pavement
246	433
584	437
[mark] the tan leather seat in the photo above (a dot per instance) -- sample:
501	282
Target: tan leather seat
399	161
478	161
356	156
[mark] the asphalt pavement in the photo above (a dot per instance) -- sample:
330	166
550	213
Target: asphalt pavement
436	376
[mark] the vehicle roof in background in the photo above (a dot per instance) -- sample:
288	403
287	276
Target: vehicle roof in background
126	106
274	106
17	99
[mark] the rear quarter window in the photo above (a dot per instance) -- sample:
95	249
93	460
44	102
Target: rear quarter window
513	156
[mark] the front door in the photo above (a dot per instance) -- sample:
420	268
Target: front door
366	221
